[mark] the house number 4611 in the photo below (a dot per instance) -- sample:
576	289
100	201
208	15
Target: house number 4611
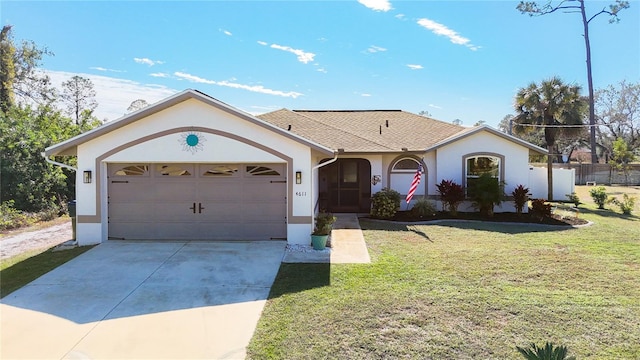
301	193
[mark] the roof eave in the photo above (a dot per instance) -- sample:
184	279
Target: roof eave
69	147
532	148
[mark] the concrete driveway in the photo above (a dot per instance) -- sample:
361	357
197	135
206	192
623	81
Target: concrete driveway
147	300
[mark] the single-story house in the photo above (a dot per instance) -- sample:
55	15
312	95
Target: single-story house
193	167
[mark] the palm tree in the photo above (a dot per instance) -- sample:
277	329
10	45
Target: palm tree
556	107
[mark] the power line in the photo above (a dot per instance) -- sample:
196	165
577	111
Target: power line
558	126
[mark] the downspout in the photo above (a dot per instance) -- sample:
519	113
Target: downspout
313	169
46	158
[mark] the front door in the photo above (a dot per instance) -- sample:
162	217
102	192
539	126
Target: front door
344	186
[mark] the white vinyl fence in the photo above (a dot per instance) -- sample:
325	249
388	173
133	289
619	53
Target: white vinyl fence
563	183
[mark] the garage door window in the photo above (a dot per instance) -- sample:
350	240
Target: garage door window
261	171
132	170
219	170
174	170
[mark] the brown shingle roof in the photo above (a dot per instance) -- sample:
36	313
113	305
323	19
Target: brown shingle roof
364	131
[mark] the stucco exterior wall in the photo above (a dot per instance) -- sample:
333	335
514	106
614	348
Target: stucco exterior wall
402	182
451	162
160	138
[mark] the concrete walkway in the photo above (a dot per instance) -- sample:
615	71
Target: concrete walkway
143	300
347	245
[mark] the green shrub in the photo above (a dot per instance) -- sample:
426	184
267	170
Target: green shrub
626	205
486	192
574	199
520	197
385	203
540	209
599	196
11	218
451	195
548	352
324	223
423	208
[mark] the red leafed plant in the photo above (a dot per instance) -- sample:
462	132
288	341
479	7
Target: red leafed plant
451	195
520	197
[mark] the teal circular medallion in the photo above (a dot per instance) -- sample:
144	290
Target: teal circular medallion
192	140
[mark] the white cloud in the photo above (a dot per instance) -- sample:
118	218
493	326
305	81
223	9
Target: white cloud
193	78
262	43
374	49
114	95
147	61
226	32
260	89
303	56
415	66
435	106
365	95
322	70
100	68
253	88
377	5
160	75
400	17
443	30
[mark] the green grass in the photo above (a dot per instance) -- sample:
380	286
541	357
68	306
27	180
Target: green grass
20	270
464	291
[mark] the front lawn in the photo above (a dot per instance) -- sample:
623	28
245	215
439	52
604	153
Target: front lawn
20	270
464	291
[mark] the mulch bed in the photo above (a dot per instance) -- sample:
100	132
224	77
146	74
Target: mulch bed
407	216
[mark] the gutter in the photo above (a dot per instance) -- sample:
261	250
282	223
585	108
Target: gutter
313	169
46	158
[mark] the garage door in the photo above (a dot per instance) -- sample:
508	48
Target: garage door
197	201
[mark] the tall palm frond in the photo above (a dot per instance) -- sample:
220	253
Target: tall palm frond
548	352
556	107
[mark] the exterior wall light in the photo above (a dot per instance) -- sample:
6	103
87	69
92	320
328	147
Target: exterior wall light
86	176
298	177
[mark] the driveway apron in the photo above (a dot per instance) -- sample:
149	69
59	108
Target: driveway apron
143	300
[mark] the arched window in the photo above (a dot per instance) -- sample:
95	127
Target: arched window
401	174
406	164
480	164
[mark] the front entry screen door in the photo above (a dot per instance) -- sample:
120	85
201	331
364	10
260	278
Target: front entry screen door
346	185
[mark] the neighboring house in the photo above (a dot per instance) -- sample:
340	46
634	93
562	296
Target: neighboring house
192	167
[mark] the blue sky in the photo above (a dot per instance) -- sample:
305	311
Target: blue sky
455	59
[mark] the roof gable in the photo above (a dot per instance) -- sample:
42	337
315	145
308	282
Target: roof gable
69	147
476	129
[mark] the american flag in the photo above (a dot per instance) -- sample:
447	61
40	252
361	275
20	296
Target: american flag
414	183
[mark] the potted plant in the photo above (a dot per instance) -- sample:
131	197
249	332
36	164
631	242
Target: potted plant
324	224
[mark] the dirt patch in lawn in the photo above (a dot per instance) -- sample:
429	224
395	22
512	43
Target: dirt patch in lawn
35	238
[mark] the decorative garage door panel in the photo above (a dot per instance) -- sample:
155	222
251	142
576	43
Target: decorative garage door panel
197	201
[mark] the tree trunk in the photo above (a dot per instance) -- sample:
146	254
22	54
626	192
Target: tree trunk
592	116
550	172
